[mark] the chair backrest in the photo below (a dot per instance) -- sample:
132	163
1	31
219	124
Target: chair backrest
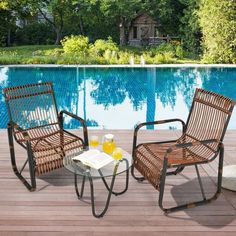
32	105
209	116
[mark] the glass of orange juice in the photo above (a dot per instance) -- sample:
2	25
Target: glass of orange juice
117	154
93	142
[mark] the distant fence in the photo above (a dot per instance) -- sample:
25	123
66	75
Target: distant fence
152	41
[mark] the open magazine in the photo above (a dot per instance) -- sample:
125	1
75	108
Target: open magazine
94	158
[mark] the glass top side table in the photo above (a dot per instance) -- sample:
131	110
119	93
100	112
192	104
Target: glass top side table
111	170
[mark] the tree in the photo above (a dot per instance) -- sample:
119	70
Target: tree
54	12
218	23
4	29
93	21
168	12
190	26
7	19
123	12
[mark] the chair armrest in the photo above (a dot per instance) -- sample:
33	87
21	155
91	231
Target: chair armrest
25	134
82	122
158	122
191	144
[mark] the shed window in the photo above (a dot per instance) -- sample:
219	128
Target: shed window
135	30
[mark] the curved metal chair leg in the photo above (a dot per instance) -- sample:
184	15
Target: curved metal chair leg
197	203
139	179
30	186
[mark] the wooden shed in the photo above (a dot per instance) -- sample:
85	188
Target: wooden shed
143	28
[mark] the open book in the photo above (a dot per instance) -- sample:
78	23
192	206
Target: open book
94	158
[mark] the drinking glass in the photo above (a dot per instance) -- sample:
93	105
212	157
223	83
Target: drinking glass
93	142
117	154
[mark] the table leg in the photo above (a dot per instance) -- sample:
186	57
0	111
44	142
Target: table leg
80	195
109	188
127	180
108	197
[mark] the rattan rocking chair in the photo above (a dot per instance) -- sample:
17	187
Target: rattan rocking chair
38	127
201	142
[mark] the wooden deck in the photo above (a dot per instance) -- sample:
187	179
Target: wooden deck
53	209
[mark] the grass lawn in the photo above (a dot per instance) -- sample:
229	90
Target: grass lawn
51	54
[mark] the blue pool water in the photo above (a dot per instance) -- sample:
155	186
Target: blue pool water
120	98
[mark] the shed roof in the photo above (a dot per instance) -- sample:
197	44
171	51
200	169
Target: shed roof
143	18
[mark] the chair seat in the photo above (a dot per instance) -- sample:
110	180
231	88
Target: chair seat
149	158
49	149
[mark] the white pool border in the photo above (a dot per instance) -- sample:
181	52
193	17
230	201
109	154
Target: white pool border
127	66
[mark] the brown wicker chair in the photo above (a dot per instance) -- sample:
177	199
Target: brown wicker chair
38	127
200	143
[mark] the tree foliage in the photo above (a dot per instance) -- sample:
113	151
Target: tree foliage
31	34
218	22
76	45
194	21
7	19
190	26
55	12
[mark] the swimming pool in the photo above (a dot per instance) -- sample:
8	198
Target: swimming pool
121	97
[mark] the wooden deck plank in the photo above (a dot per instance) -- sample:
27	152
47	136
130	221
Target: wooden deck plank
55	210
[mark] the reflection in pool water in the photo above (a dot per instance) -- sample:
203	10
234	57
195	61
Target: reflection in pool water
120	98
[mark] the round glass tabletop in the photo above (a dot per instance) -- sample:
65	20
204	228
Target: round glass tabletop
113	168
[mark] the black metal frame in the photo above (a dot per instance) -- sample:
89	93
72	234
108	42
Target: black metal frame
179	168
31	187
204	200
82	122
30	157
109	188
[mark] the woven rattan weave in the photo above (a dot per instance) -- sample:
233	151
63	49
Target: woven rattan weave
201	142
38	127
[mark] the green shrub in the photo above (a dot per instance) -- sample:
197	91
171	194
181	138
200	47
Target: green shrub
164	58
169	57
35	33
101	46
79	59
8	53
39	60
38	53
53	52
124	57
162	48
147	58
137	59
6	60
76	45
49	54
159	59
110	56
179	52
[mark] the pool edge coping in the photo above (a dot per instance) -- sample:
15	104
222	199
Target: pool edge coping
126	66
